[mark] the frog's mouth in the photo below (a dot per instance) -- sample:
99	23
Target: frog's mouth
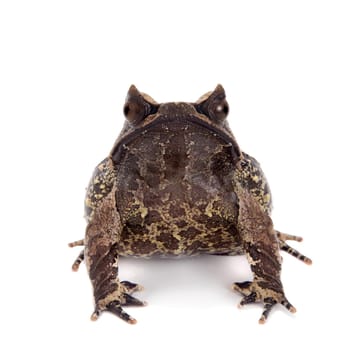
180	122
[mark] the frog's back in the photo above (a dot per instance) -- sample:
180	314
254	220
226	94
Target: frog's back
175	192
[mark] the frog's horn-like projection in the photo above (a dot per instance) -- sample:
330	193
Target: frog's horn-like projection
138	105
214	105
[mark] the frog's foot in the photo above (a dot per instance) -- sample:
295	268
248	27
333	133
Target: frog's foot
116	300
254	292
283	237
80	258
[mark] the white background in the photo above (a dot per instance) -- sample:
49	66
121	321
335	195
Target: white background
65	67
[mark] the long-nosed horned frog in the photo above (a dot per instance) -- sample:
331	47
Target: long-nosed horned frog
176	183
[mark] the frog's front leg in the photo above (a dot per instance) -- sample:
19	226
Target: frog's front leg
101	257
261	246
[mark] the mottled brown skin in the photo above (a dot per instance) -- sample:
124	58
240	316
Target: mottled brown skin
176	183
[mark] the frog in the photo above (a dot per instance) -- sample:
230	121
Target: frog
176	184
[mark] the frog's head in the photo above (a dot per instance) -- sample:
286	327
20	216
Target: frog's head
143	113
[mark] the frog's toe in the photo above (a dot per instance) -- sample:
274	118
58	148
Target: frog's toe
80	242
287	237
132	287
115	308
242	287
283	237
129	300
285	247
78	261
269	303
80	257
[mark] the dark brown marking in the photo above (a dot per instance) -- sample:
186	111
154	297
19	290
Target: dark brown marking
190	234
177	183
169	242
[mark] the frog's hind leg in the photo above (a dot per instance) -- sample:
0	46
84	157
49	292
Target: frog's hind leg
112	295
102	262
261	246
283	237
80	258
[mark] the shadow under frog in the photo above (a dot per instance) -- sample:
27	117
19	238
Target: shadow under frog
177	184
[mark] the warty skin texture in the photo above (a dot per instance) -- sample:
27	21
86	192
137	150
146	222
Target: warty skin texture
177	184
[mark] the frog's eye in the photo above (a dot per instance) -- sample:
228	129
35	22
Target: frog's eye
138	106
214	105
219	110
